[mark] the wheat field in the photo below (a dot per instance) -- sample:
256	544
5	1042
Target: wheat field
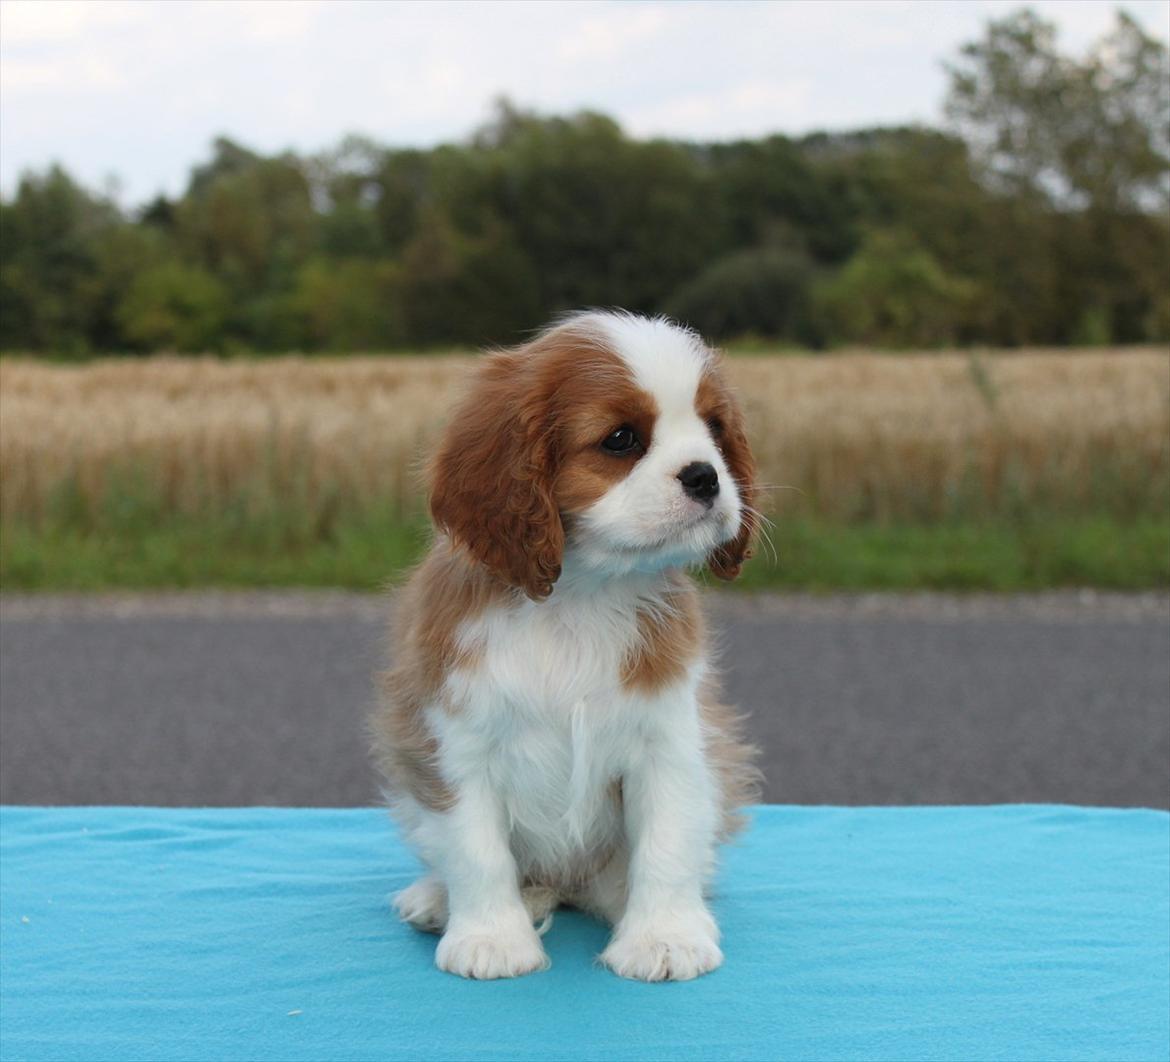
848	437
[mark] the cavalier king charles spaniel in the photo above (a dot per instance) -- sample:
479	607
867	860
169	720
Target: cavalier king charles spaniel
550	730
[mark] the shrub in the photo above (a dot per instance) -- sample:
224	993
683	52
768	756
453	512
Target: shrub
892	293
764	291
174	307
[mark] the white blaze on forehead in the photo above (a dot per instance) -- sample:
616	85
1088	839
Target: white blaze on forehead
666	359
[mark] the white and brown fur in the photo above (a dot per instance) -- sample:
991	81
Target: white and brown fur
550	731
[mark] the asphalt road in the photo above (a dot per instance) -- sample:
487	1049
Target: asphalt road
260	699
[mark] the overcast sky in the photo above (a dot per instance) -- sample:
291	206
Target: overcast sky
137	90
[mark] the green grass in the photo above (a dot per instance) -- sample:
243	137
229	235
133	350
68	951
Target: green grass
365	553
1036	554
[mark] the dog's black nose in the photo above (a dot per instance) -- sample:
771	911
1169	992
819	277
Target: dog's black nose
700	481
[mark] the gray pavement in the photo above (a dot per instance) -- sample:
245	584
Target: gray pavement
227	699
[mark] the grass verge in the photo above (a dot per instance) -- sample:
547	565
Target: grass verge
1035	554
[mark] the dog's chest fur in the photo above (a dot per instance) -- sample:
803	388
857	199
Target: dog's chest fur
543	708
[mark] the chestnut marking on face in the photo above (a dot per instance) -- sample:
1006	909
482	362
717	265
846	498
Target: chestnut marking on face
716	404
683	498
601	406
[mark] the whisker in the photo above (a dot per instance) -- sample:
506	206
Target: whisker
760	515
765	527
781	486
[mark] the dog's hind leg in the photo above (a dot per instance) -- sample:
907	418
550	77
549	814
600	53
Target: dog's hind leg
604	895
423	904
541	901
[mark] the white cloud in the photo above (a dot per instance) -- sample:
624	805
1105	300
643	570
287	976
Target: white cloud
89	74
263	20
139	89
741	109
26	23
604	37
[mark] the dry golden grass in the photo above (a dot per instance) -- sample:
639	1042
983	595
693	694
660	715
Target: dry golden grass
860	436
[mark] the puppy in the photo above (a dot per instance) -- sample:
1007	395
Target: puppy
549	732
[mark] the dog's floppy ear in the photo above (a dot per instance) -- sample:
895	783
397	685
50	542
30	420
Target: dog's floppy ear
727	560
492	479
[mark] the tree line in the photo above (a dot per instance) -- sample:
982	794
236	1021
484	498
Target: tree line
1039	215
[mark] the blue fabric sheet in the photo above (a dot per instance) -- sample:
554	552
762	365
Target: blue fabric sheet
1023	932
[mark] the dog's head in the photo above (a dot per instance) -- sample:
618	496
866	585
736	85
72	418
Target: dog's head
610	435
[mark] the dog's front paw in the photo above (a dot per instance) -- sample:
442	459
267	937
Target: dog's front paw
488	952
679	949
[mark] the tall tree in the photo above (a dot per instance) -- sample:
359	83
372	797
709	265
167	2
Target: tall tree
51	239
1088	132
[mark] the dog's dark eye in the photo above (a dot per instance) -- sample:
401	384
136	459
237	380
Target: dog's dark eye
622	441
715	427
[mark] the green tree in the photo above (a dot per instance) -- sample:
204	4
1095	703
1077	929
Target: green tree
1085	141
770	192
250	222
1092	132
345	187
603	220
763	292
466	288
51	236
174	307
892	293
349	304
1040	217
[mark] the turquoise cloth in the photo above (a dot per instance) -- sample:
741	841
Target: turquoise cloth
1022	932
